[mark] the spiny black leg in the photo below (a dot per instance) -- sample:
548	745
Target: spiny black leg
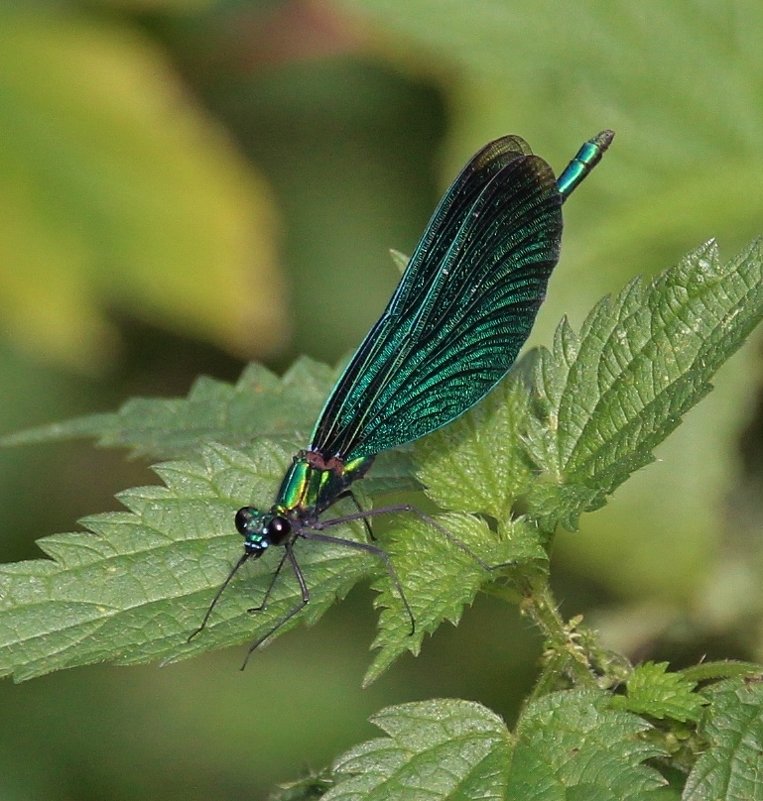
407	507
379	553
462	546
348	493
220	591
290	614
273	578
361	515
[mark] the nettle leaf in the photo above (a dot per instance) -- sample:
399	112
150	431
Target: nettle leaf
444	749
573	745
608	395
133	586
653	691
259	406
731	768
568	745
478	463
442	569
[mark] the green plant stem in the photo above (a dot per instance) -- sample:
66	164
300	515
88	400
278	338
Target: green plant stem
714	671
564	652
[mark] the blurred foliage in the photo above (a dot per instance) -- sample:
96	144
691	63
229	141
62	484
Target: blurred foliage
148	148
117	191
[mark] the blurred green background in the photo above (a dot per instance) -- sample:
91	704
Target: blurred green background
185	186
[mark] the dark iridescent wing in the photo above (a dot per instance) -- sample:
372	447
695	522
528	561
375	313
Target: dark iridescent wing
450	214
464	307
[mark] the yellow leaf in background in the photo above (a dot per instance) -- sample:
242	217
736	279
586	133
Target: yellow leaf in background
118	192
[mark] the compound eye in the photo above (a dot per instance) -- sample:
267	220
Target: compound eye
244	518
279	529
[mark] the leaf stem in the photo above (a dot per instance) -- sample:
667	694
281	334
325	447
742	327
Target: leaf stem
564	653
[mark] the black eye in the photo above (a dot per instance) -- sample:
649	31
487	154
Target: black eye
278	529
244	518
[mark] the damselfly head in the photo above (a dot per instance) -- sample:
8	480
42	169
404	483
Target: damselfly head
260	530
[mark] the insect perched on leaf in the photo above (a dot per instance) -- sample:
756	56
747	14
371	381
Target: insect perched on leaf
464	306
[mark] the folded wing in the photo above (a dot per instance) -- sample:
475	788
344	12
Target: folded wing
462	310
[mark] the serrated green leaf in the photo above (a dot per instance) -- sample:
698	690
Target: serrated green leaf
652	691
135	585
731	769
259	406
445	749
440	577
572	745
478	464
608	396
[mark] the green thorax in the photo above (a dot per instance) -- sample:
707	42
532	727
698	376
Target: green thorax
313	483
